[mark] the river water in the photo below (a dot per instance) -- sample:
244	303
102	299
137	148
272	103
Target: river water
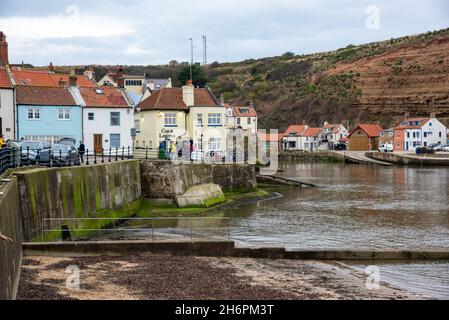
358	207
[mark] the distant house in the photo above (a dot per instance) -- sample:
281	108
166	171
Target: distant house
134	83
48	113
293	138
107	118
7	106
365	137
312	139
268	138
243	117
412	133
332	134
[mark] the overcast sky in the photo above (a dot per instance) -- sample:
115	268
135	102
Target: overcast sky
154	32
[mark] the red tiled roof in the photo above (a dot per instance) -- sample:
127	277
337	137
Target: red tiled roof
297	128
251	112
312	132
4	79
372	130
44	96
171	99
110	97
42	78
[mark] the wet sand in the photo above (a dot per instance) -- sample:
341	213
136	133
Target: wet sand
149	277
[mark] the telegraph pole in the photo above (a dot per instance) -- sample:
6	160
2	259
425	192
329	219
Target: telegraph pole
191	59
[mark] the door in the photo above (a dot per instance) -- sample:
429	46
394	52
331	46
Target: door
98	143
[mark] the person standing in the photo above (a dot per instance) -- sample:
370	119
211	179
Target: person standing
2	141
81	151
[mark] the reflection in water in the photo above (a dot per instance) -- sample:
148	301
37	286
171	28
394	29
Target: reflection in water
359	207
355	207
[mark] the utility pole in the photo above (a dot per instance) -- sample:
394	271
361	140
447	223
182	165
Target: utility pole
204	50
191	60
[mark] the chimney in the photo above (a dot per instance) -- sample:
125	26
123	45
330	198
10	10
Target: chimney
251	103
188	94
62	83
72	80
89	73
222	102
3	49
151	85
326	123
51	68
120	78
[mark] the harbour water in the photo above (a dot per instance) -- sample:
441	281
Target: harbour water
358	207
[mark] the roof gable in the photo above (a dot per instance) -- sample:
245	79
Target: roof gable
372	130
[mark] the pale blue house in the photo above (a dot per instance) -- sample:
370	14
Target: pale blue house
48	113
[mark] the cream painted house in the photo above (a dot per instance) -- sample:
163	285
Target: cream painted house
186	115
241	117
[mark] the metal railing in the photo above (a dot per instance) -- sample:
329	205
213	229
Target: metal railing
13	157
154	229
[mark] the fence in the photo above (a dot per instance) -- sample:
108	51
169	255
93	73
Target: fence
155	229
13	157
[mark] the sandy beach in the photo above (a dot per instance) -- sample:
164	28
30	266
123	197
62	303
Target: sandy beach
148	277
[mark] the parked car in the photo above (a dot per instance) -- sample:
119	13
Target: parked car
424	150
436	146
445	148
67	141
386	147
340	147
35	152
65	155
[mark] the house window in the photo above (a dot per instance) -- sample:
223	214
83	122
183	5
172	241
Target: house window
430	124
441	135
34	114
115	118
214	144
63	114
214	119
425	134
248	121
91	116
114	140
133	83
199	119
199	144
137	125
408	134
238	120
170	119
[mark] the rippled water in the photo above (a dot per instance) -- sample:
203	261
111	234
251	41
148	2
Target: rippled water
358	207
354	207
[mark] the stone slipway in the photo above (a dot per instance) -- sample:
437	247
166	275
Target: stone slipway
222	249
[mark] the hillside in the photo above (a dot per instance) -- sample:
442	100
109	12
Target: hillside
374	82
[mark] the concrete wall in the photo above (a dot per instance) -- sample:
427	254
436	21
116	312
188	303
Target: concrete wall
167	180
10	252
76	192
432	160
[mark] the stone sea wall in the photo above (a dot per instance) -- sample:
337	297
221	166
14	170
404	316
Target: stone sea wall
75	192
10	252
167	180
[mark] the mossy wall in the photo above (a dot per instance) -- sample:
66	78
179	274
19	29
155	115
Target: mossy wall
75	192
167	180
10	252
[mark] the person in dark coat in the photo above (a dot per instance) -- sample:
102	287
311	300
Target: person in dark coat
81	151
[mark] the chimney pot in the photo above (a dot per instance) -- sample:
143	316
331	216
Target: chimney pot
189	83
3	49
72	80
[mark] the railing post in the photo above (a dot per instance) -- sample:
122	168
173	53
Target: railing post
123	153
110	153
116	153
102	155
87	157
95	156
146	153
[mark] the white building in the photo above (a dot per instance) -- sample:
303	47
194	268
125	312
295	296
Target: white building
293	138
107	119
7	106
241	117
332	134
413	133
186	115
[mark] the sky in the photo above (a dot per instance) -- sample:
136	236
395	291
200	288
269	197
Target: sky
144	32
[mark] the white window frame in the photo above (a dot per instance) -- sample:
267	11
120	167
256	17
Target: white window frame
214	144
214	120
170	120
199	120
64	114
35	114
137	125
119	119
93	116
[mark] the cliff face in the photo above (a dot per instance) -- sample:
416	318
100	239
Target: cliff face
377	82
411	79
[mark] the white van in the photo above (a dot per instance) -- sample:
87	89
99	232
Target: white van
388	147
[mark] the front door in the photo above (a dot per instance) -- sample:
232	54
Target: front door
98	143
